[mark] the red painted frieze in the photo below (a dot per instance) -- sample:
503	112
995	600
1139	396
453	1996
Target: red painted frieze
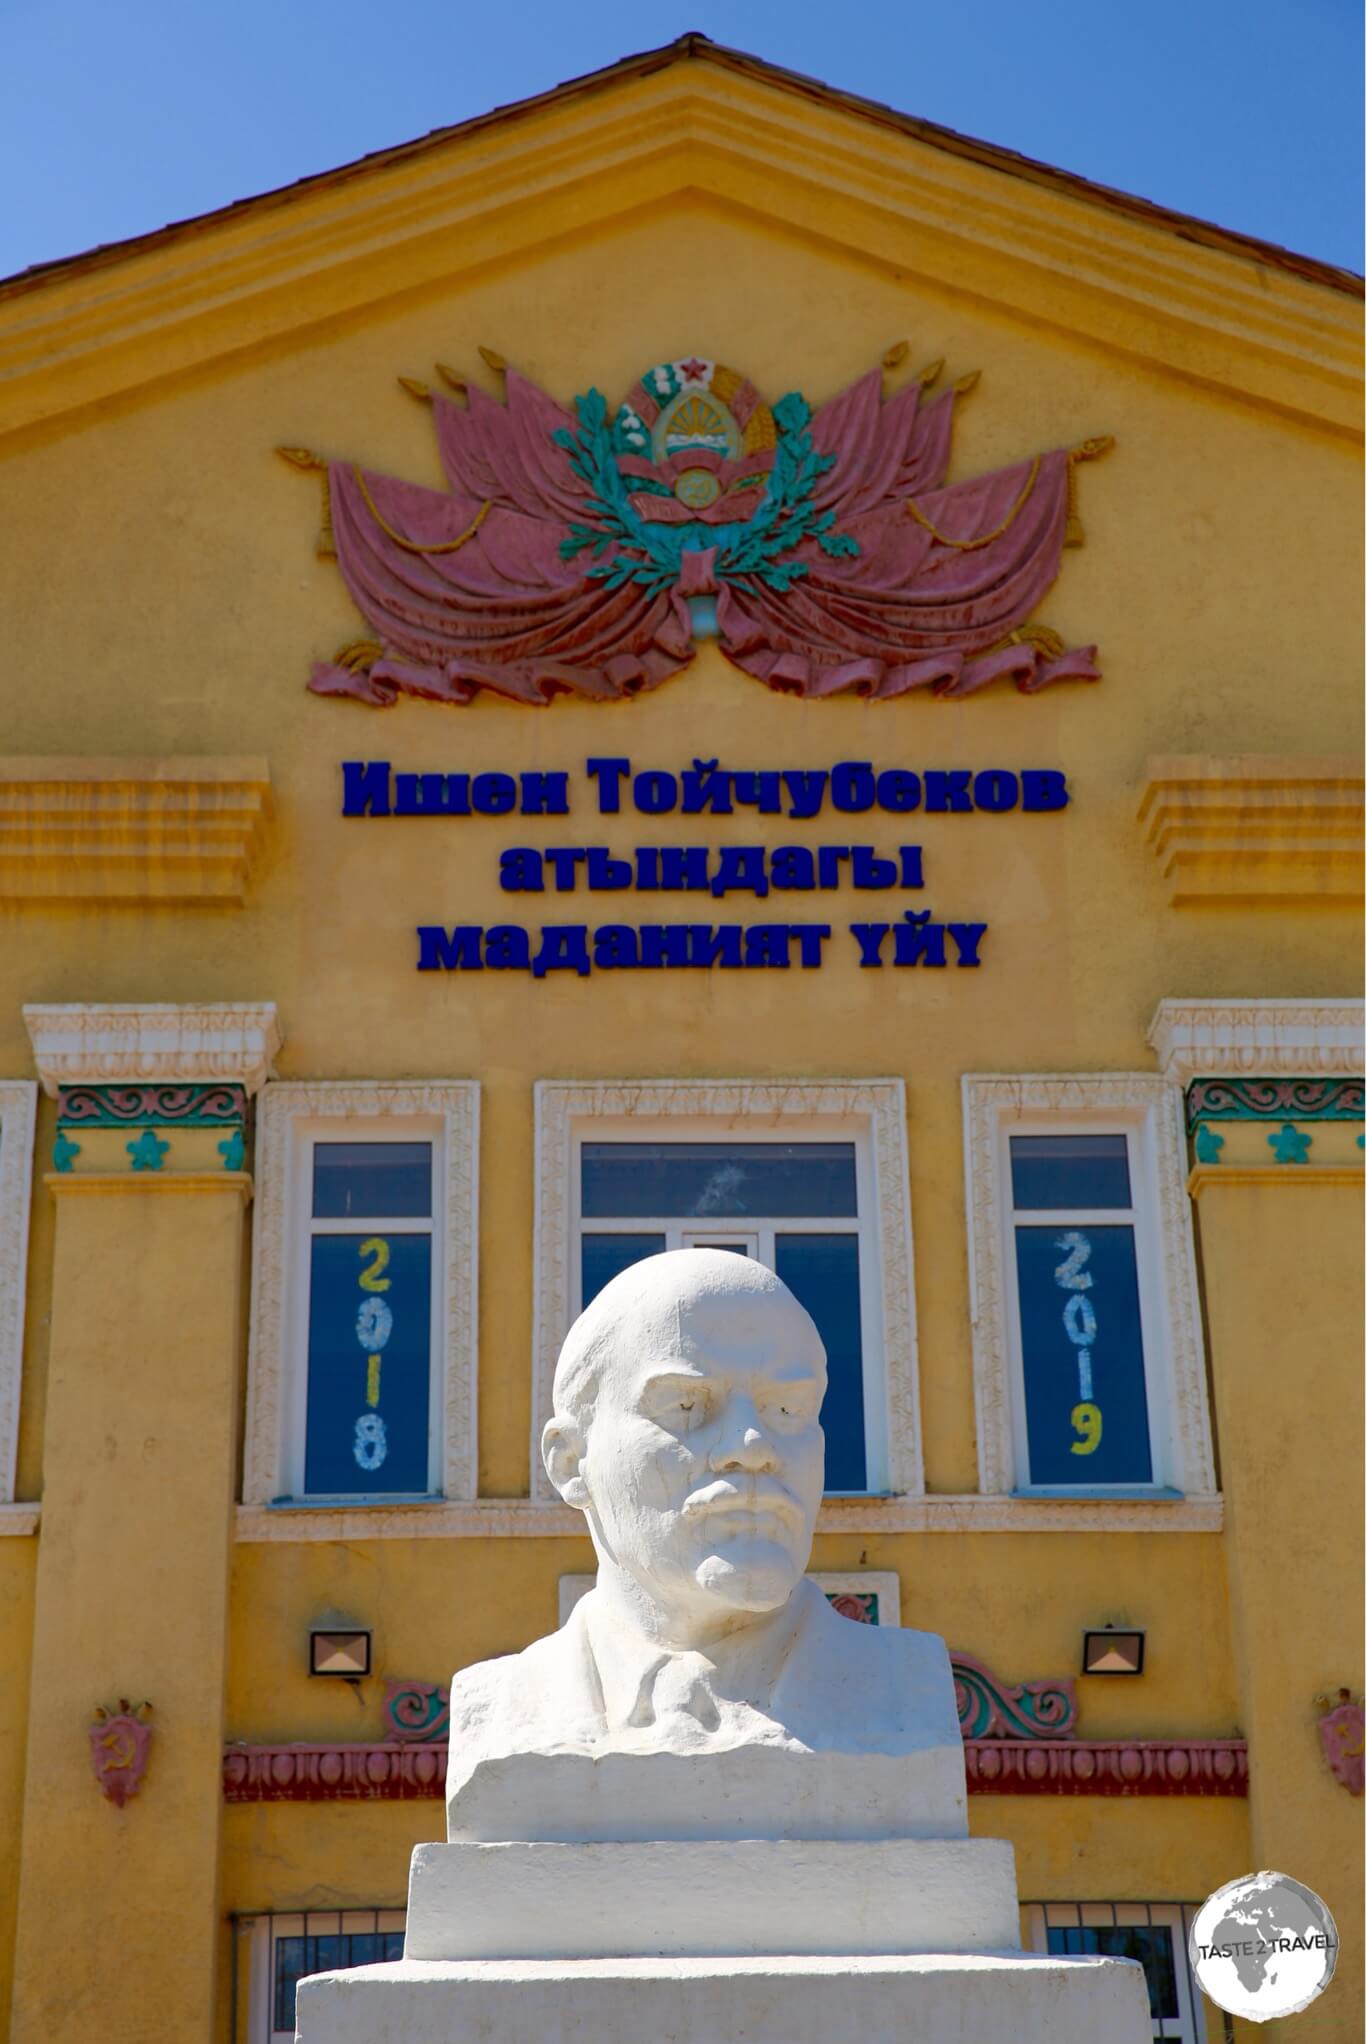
1106	1767
394	1772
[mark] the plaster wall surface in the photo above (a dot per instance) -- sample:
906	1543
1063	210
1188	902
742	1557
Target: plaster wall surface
132	1581
180	607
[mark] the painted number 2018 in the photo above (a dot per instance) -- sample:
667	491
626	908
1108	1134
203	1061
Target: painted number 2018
374	1325
1079	1325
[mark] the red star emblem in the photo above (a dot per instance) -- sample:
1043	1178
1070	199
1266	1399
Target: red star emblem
694	370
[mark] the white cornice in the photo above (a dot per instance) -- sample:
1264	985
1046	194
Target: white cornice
502	188
87	1043
1265	1039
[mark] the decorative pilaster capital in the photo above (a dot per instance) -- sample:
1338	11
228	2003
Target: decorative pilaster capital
89	1043
1261	1039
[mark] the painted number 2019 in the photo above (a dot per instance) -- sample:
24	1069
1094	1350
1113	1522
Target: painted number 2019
1079	1325
1086	1421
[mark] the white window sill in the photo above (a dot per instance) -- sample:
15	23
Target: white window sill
520	1518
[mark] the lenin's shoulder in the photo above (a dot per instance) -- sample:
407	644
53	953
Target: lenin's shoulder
499	1703
891	1674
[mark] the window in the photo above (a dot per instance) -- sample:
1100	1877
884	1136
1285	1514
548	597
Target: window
794	1206
810	1180
287	1948
1154	1933
18	1107
363	1315
369	1314
1087	1353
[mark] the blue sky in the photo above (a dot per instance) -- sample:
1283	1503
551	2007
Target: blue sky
123	114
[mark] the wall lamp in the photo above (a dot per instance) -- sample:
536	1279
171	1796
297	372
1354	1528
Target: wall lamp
339	1653
1112	1652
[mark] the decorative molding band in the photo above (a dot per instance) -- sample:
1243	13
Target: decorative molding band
18	1119
522	1519
131	830
101	1183
1106	1767
1274	1100
390	1771
989	1708
19	1521
116	1106
767	1106
1260	1039
1262	828
85	1043
1203	1176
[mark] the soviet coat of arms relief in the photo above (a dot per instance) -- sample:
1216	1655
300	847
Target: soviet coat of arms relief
589	552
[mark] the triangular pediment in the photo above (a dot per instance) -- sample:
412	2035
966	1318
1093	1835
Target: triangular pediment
698	120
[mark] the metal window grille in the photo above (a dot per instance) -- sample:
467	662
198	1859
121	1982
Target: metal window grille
283	1947
1157	1934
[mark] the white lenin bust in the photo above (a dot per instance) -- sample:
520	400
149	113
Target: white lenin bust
708	1807
704	1688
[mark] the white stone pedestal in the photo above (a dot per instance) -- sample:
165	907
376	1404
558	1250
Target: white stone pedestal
1006	1998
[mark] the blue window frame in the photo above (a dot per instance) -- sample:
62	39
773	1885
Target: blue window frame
370	1305
1078	1308
793	1205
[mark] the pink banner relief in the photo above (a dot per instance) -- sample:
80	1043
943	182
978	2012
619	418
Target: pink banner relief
881	578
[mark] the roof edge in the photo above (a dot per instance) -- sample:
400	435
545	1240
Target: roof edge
695	46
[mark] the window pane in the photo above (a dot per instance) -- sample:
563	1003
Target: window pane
290	1967
1070	1171
719	1180
326	1955
369	1364
1149	1943
605	1256
823	1272
1086	1408
393	1944
391	1180
363	1948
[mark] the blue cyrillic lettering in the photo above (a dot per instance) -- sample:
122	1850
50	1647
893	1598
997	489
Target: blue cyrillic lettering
609	775
706	787
1044	788
852	786
655	794
365	788
740	869
898	791
870	941
507	948
806	792
967	936
545	794
456	951
918	940
564	948
948	791
607	875
792	868
520	872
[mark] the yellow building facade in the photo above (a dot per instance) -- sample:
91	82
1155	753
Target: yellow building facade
327	1093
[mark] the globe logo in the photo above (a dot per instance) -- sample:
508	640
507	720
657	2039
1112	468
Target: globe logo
1263	1946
